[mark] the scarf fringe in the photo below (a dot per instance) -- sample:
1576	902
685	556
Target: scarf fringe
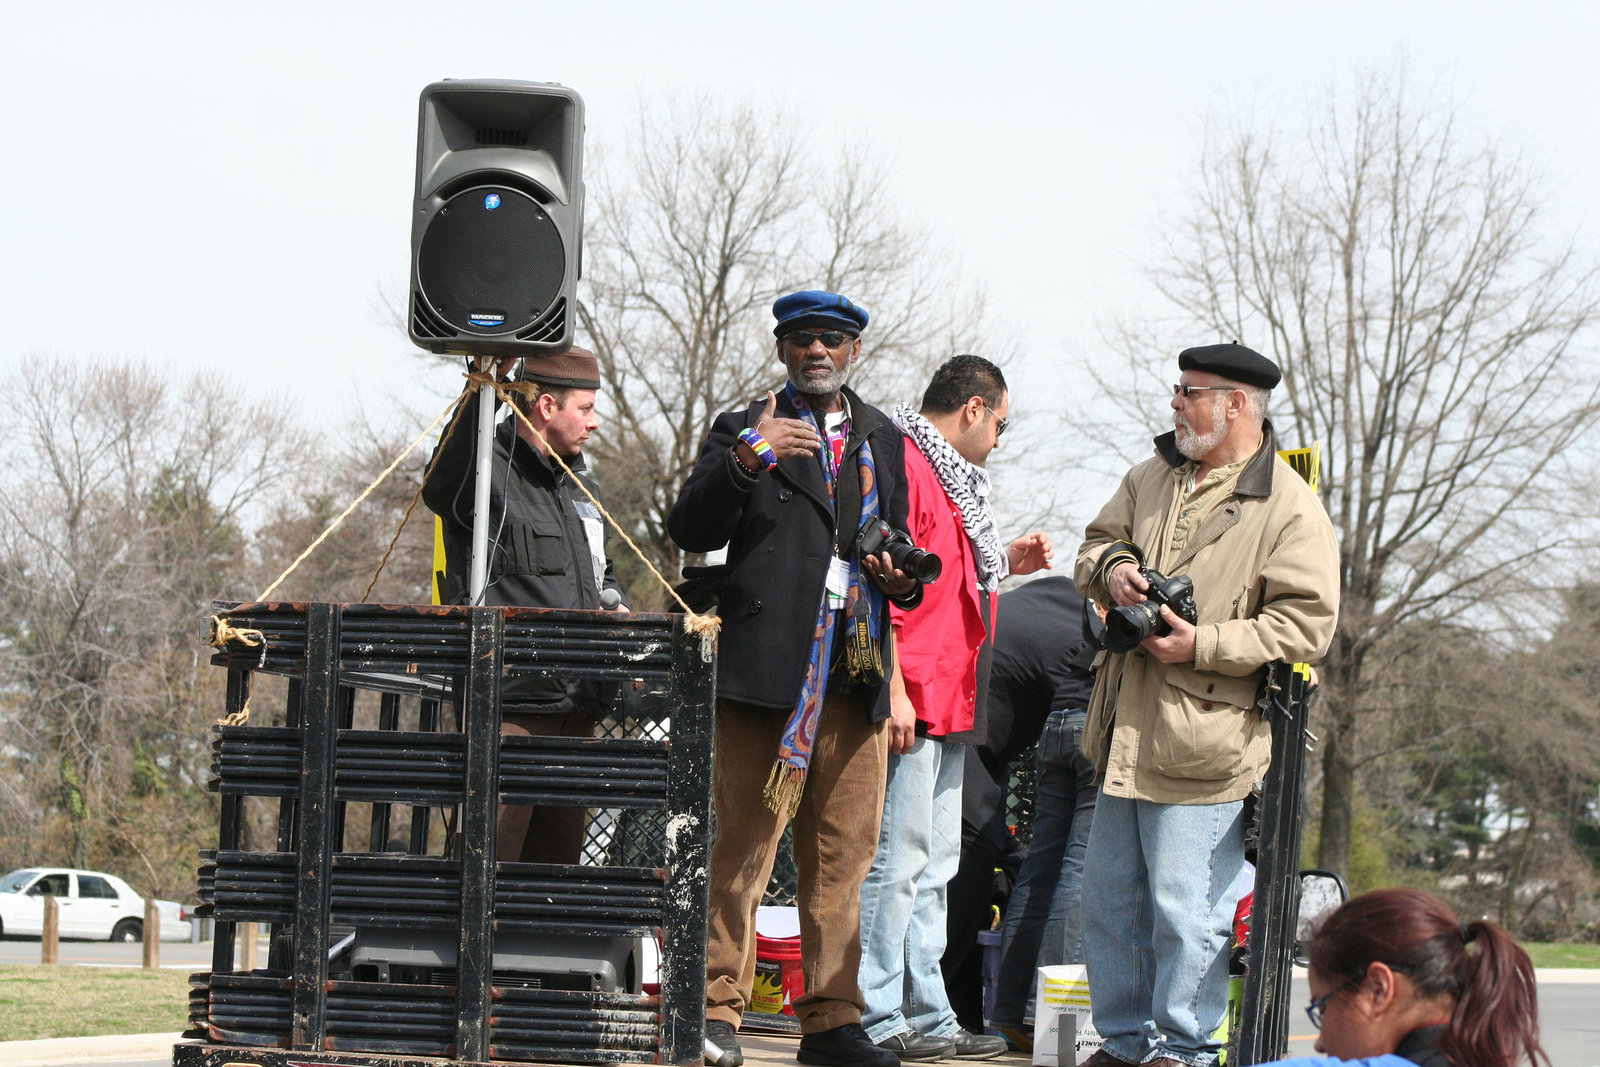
784	787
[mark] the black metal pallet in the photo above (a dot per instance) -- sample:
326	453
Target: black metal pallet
470	910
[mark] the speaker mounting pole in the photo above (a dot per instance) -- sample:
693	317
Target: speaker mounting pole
480	492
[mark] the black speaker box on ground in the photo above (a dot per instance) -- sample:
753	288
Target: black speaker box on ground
496	234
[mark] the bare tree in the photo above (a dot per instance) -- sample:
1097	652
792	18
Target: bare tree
123	509
719	210
1432	339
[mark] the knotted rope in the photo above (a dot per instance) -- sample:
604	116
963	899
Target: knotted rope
705	626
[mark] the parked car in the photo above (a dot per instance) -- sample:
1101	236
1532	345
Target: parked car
93	905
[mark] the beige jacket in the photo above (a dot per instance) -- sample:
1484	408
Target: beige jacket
1265	566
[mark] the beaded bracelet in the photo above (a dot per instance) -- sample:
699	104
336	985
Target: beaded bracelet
758	444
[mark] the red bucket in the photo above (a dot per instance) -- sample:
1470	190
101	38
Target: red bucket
780	978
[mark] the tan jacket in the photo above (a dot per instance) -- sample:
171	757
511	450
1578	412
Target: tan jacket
1265	566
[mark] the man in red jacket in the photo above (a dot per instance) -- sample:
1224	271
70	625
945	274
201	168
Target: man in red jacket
941	651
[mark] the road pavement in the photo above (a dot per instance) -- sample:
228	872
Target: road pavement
175	954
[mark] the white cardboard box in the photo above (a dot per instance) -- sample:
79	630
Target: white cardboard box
1063	990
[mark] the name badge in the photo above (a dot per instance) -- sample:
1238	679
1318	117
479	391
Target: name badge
838	580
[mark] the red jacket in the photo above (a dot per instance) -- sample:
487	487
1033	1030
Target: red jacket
937	644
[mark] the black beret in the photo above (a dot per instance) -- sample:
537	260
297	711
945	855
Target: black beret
1234	362
814	307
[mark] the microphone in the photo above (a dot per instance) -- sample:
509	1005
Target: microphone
610	599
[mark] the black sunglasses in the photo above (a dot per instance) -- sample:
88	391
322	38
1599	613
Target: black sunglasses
830	339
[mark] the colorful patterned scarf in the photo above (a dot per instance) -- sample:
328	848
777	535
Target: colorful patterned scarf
862	611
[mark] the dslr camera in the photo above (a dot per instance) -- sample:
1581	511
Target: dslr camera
878	536
1128	625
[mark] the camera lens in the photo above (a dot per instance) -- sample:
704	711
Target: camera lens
921	564
1127	626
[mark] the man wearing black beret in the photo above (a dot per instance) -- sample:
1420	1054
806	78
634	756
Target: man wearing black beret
805	651
1172	725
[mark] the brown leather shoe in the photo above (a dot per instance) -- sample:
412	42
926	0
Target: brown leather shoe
1102	1058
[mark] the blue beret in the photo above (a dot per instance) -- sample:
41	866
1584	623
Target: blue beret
813	307
1234	362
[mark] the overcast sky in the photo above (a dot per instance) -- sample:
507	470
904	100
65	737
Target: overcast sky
225	186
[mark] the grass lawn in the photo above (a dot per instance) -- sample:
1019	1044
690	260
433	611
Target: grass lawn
1561	954
55	1001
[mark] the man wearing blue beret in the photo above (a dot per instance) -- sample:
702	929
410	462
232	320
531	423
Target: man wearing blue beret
1172	723
785	485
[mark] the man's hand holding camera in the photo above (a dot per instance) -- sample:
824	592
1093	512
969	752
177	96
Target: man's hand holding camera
891	579
1175	647
1128	586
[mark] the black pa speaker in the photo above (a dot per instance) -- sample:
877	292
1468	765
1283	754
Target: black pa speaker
496	238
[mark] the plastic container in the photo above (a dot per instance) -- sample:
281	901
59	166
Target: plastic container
780	979
989	945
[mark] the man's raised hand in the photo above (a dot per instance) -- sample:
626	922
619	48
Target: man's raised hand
788	437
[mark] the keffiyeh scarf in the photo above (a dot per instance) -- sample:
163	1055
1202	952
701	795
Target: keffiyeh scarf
967	485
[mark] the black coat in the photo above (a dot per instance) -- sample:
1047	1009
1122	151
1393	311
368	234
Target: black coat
538	554
780	530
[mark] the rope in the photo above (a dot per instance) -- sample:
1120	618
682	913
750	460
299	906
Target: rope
242	716
338	519
460	406
222	632
705	626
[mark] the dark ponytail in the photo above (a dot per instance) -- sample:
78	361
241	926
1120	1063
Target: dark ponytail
1486	974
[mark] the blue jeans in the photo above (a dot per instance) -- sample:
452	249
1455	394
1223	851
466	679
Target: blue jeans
903	897
1041	926
1158	898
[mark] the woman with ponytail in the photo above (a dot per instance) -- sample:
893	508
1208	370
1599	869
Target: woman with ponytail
1396	980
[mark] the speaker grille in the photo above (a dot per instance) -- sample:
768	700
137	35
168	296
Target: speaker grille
513	138
490	263
550	326
424	323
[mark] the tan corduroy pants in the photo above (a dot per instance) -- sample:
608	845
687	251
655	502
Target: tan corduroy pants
835	837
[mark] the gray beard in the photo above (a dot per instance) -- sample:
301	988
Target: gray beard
1197	447
825	386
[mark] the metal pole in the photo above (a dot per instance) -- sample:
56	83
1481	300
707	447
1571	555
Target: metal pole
480	498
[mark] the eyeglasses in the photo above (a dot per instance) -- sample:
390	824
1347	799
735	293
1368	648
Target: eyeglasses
1000	424
1314	1009
830	339
1187	391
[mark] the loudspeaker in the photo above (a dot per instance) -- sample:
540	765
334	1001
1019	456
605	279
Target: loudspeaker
496	237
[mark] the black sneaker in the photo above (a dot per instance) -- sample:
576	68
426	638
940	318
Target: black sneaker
970	1046
722	1035
844	1046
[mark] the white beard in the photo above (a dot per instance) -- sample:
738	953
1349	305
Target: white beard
1195	446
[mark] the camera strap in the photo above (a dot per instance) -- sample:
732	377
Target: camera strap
863	652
